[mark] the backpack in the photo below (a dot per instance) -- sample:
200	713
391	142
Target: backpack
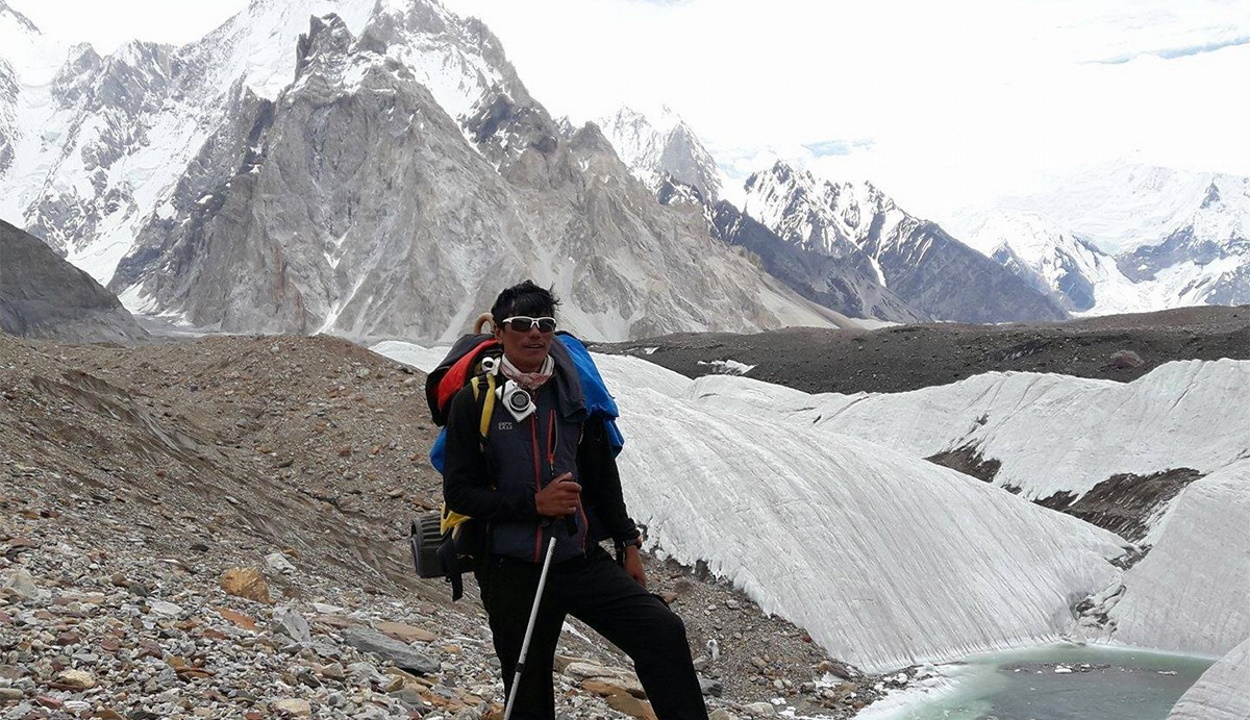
447	544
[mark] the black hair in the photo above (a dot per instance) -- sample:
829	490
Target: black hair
524	299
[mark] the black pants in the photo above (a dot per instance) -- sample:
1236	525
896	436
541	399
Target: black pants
598	592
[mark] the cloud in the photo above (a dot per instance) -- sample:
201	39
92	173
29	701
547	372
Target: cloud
107	25
837	147
1176	52
939	104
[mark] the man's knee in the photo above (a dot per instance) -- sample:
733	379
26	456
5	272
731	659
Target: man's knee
669	626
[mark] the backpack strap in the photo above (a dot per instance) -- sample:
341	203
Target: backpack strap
484	394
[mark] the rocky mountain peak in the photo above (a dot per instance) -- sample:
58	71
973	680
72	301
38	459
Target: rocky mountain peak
391	188
460	61
11	19
1050	259
504	127
914	258
590	138
77	75
1212	197
42	296
566	126
659	144
820	215
326	36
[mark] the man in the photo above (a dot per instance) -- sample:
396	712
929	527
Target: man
546	470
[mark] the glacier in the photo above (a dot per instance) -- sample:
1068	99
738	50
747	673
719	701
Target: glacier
819	508
1052	433
1223	691
884	559
1192	592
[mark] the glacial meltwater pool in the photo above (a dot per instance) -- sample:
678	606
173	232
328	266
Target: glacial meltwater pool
1052	683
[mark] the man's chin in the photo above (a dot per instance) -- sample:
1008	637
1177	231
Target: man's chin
532	357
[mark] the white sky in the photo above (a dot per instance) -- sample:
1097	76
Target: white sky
938	103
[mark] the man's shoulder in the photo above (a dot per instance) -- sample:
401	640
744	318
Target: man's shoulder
479	383
469	393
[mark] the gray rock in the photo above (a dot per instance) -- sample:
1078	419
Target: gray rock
364	673
1126	360
409	698
759	709
166	609
289	623
20	583
403	656
279	563
711	687
333	671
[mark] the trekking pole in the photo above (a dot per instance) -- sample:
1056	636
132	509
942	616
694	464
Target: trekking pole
529	630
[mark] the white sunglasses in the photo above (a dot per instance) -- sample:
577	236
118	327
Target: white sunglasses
524	323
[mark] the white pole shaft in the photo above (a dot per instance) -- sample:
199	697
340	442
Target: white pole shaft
529	630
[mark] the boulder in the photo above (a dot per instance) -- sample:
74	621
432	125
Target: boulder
403	656
246	582
1126	360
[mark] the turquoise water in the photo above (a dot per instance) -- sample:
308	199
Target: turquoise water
1060	683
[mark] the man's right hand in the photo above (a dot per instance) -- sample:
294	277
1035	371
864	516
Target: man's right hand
560	497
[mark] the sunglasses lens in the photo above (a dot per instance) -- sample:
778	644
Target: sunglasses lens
546	324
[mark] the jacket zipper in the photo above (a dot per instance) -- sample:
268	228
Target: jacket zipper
553	438
538	486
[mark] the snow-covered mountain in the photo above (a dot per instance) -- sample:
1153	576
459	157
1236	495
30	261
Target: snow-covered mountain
665	154
848	284
1072	271
1176	238
914	259
663	145
378	171
101	143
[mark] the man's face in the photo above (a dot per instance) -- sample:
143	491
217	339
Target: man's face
526	348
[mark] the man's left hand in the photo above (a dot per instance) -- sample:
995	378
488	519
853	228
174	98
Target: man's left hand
633	565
